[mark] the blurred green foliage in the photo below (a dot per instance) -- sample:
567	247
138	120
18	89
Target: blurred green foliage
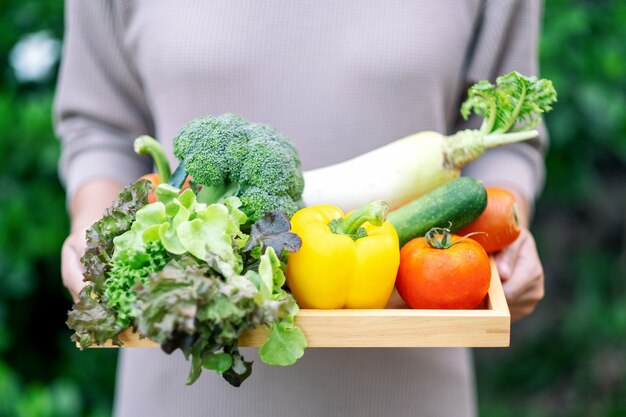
568	359
41	373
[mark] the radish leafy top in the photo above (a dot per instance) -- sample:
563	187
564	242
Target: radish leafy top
514	104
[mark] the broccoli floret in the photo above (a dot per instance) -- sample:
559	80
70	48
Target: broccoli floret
210	148
256	202
229	156
266	132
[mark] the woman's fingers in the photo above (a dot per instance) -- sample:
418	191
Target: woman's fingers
522	275
71	268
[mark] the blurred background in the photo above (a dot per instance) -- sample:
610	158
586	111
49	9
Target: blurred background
568	359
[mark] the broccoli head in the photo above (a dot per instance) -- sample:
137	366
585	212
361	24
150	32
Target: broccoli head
229	155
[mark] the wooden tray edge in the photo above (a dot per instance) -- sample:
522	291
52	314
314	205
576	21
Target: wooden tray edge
489	327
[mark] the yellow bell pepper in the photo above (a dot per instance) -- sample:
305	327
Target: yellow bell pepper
346	261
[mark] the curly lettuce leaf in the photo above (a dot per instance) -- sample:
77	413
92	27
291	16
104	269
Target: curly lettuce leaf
93	322
168	302
183	225
116	220
174	270
207	233
188	306
144	229
128	268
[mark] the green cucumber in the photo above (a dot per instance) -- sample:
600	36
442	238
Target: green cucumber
453	205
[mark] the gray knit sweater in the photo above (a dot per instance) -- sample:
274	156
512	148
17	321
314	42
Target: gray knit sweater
337	77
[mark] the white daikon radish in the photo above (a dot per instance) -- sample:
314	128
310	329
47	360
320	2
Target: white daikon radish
412	166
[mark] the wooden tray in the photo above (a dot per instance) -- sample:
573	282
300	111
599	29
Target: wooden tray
392	327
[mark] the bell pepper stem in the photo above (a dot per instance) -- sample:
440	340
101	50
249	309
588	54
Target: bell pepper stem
147	145
374	212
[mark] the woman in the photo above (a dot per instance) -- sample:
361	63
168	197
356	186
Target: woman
339	79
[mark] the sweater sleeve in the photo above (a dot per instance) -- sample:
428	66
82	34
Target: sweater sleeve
507	41
99	105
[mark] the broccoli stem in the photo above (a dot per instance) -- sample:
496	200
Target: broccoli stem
374	212
210	194
146	145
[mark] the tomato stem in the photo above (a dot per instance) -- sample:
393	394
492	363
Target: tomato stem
441	237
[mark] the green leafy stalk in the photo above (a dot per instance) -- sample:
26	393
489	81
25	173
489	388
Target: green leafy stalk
511	109
146	145
514	104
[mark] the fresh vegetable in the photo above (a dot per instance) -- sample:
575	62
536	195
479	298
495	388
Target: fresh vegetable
185	275
92	320
179	265
155	180
498	226
345	261
146	145
443	271
454	204
130	267
412	166
230	156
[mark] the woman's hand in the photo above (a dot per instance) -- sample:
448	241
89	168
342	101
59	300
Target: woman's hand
522	275
520	268
87	207
71	268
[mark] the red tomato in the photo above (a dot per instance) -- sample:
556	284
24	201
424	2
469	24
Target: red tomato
454	278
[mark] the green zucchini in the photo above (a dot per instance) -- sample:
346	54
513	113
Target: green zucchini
453	205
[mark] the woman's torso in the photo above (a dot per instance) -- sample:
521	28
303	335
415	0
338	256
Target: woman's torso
339	78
